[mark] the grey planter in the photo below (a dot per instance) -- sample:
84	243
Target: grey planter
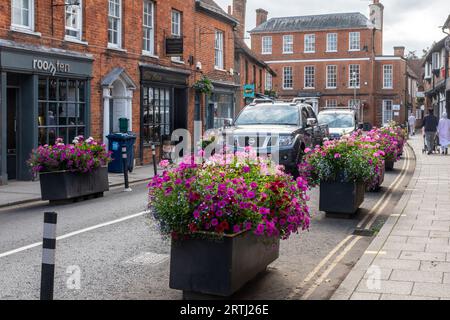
389	165
65	185
219	267
341	197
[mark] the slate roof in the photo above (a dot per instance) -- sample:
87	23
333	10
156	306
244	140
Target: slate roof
352	20
212	7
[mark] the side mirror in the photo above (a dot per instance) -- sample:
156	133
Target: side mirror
311	122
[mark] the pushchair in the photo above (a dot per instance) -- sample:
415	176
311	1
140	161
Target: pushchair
436	144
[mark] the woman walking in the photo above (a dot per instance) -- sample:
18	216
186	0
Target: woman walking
444	133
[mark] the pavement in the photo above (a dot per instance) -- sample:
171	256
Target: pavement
20	192
409	259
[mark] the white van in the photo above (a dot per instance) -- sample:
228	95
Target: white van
339	121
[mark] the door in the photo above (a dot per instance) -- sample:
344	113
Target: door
11	101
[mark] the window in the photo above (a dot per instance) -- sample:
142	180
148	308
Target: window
266	45
156	114
310	43
62	109
309	76
353	75
436	60
176	23
354	38
115	23
331	77
148	27
268	81
427	70
287	78
354	103
218	50
387	76
331	103
288	44
387	111
331	42
74	21
221	110
23	14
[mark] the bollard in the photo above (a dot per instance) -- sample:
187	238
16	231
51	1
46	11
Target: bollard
155	167
125	168
48	256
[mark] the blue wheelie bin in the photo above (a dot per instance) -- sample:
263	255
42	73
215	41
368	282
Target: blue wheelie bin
116	141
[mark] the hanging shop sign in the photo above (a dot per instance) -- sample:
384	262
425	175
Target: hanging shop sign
174	46
249	91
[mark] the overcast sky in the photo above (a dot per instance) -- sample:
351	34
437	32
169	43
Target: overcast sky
412	23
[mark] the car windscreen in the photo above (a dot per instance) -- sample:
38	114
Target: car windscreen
337	120
269	114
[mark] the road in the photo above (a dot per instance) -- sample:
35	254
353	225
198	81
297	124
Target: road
119	254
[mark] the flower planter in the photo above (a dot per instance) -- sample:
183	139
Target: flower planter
341	197
65	185
219	267
389	165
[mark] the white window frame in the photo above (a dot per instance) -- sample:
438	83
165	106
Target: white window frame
148	36
353	39
436	61
218	50
17	24
79	27
427	70
332	38
354	103
268	81
329	83
176	24
388	76
310	43
291	75
331	105
288	44
266	45
309	77
119	24
385	118
350	76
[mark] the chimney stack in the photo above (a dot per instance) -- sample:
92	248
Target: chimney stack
229	10
399	51
261	16
239	8
376	14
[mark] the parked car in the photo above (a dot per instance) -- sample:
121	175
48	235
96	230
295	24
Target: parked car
339	121
259	126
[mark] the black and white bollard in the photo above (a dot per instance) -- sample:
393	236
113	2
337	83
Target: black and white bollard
155	166
125	168
48	256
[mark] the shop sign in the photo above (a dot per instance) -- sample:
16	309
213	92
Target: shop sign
249	91
51	66
396	107
174	46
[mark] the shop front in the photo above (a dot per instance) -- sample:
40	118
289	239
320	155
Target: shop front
44	96
164	107
221	106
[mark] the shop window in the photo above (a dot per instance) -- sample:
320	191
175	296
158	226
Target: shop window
61	109
157	114
220	110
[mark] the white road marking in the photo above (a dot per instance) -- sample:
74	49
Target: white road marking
319	281
71	234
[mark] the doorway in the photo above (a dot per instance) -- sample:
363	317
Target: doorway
12	102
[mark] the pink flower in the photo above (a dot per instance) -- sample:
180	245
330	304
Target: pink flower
337	155
164	163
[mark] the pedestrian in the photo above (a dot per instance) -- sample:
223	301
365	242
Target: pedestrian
429	125
412	124
444	133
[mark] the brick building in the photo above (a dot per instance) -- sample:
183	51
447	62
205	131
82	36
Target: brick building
71	69
335	60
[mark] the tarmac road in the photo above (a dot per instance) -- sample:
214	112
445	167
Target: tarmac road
119	253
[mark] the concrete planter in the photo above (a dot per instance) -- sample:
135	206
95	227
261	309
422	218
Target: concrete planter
220	267
389	165
65	185
341	197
